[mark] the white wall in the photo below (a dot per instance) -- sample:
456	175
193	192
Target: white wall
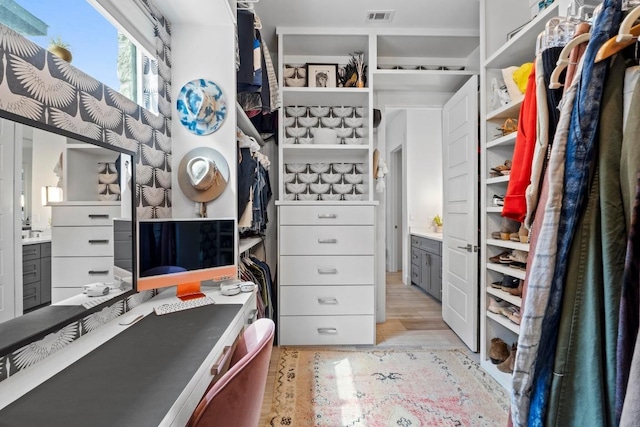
422	172
204	51
424	166
47	148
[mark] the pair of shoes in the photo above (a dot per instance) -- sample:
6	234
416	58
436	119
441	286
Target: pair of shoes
497	258
517	292
498	351
497	200
509	362
509	282
518	256
508	226
515	316
495	304
522	235
502	170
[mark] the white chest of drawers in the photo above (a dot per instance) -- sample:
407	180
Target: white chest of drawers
82	246
326	285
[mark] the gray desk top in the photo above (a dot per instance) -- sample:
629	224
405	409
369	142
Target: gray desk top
132	379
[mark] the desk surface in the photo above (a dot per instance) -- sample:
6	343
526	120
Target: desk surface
141	375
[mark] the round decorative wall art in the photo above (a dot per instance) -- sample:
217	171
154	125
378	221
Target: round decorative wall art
202	106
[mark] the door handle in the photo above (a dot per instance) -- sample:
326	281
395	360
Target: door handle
327	216
327	240
469	248
327	301
327	271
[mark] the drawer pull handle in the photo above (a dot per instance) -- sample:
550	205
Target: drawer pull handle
328	301
99	216
327	331
98	241
327	216
327	271
327	240
215	369
92	272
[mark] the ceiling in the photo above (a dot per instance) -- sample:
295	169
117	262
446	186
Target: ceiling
445	15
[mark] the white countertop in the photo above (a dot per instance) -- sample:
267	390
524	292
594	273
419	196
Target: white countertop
425	232
33	240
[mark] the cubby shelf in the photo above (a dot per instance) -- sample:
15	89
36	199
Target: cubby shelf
499	293
504	322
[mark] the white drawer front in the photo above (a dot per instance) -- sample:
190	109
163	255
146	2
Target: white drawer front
327	270
327	330
326	300
78	271
84	215
326	215
82	241
327	240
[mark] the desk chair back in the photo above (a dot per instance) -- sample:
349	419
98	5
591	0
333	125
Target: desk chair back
236	398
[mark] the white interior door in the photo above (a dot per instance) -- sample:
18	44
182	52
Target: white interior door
7	222
460	240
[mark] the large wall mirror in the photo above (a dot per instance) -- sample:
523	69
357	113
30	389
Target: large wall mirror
84	122
73	226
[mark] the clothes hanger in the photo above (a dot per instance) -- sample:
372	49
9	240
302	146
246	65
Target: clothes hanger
563	60
627	35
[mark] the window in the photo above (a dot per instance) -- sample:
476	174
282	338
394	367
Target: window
101	37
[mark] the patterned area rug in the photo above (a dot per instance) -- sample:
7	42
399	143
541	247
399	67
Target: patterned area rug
405	388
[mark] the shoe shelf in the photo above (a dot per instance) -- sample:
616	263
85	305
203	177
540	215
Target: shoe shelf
504	322
504	378
499	293
504	269
508	244
511	110
498	179
507	140
328	97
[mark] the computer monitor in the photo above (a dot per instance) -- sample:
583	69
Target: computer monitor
123	251
184	252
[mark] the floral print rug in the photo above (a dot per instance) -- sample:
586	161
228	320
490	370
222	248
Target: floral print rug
405	388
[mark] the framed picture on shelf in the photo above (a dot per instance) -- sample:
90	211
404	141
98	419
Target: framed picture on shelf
322	75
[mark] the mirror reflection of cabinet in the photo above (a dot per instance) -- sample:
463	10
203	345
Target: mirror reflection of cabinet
82	225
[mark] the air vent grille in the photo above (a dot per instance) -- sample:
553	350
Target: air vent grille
380	15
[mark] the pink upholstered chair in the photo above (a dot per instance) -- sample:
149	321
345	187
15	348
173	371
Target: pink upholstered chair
236	398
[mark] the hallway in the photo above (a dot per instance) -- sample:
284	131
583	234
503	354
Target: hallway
414	319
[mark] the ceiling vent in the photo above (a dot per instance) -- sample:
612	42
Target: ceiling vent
380	15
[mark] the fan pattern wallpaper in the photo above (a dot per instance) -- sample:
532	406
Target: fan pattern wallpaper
41	87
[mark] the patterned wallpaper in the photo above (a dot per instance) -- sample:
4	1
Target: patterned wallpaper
39	86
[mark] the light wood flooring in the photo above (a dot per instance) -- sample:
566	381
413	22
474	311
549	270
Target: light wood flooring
413	319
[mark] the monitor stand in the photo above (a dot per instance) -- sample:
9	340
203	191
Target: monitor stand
189	291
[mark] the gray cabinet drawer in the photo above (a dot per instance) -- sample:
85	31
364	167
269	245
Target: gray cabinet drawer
415	256
30	271
429	245
30	252
30	295
415	274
